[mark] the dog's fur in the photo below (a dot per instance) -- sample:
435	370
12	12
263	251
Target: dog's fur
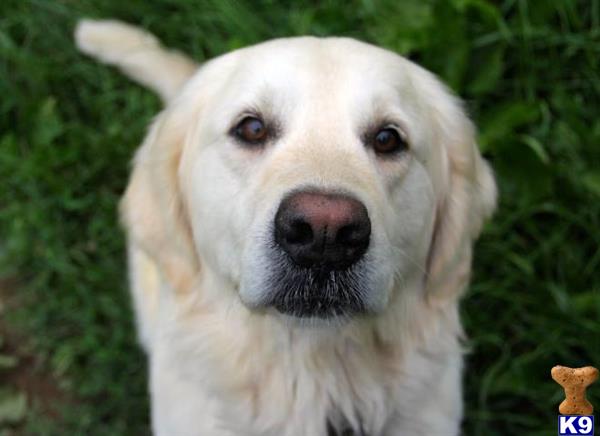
199	210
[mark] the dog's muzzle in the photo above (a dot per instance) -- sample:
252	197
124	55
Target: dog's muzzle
320	241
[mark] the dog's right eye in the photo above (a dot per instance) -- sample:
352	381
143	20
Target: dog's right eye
251	130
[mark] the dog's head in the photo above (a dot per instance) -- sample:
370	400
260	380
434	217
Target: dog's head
315	177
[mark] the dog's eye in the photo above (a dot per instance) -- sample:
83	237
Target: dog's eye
389	140
251	130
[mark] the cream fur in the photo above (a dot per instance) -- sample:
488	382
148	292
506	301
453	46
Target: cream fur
198	207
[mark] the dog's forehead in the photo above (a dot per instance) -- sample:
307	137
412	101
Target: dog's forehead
310	53
311	65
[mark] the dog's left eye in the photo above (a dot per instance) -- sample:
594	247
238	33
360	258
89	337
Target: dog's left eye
389	140
251	130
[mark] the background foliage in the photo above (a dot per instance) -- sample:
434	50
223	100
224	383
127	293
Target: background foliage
528	71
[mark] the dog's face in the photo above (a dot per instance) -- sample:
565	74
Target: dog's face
315	176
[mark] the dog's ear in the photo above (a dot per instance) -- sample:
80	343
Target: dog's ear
153	210
467	197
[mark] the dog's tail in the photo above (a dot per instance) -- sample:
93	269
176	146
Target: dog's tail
137	53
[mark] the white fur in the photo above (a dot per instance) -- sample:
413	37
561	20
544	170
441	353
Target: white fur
198	210
137	53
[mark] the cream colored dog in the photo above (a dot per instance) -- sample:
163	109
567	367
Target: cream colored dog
300	221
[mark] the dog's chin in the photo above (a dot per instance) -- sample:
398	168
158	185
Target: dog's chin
317	307
316	295
313	322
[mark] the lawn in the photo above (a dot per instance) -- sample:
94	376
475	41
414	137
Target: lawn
529	73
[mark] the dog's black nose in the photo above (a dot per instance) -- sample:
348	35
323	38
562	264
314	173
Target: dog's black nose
319	229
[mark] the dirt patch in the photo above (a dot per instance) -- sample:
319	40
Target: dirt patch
30	375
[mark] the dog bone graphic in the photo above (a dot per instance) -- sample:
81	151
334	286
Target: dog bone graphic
574	381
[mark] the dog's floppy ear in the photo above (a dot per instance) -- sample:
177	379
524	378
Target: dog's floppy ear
467	198
152	208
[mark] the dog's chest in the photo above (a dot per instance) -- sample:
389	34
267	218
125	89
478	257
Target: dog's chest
240	386
334	396
285	392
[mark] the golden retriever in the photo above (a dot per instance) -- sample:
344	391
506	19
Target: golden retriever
300	224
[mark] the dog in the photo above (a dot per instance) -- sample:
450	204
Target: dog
300	222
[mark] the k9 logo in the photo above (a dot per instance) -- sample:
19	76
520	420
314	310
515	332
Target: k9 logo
575	425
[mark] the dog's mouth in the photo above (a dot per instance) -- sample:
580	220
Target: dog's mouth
317	291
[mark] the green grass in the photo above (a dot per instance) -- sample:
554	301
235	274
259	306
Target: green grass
529	72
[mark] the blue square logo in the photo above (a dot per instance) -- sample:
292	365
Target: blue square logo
575	425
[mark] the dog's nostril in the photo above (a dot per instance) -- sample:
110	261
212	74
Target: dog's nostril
300	232
350	235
